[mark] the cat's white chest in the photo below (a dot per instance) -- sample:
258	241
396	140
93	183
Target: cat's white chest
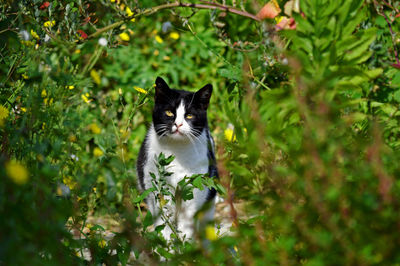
190	157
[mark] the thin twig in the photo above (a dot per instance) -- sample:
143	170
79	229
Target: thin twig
155	9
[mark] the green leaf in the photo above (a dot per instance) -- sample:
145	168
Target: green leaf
144	195
198	183
148	220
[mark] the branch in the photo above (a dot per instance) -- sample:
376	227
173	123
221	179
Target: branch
152	10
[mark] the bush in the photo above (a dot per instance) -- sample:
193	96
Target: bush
305	121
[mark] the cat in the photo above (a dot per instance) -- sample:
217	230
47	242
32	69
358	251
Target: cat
179	128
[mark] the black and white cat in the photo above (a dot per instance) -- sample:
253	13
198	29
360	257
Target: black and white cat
179	128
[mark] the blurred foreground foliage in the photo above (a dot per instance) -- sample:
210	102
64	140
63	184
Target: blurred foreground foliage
306	123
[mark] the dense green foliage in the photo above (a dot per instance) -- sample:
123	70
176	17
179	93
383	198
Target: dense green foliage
306	123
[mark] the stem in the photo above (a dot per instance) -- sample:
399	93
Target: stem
152	10
392	35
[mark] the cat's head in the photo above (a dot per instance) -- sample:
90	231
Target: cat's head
178	114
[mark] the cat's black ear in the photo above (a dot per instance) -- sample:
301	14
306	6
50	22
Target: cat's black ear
203	96
162	90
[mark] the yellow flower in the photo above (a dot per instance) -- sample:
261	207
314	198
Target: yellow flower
156	52
71	87
174	35
95	128
102	243
210	233
49	23
72	138
85	98
17	172
95	76
3	112
124	36
130	13
69	182
229	135
112	1
97	152
77	51
159	39
24	76
119	91
138	89
59	191
23	109
278	19
34	34
167	58
44	93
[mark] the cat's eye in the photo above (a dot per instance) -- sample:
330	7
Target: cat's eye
189	116
169	113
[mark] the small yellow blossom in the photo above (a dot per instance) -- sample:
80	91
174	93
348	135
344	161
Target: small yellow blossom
210	233
174	35
59	191
70	87
27	43
156	52
51	101
278	19
102	243
95	76
124	36
167	58
138	89
97	152
77	51
129	13
49	23
112	1
69	182
72	138
3	112
23	109
95	128
44	93
34	34
229	135
24	76
119	91
159	39
43	125
85	98
45	100
17	172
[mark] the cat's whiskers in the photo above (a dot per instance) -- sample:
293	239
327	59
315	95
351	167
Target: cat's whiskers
162	130
197	138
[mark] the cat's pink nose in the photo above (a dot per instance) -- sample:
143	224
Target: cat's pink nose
178	126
